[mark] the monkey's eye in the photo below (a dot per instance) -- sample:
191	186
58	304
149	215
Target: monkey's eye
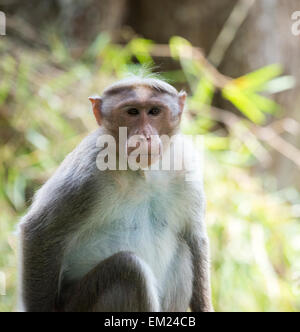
133	111
154	111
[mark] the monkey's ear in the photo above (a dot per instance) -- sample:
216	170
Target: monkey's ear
182	99
96	103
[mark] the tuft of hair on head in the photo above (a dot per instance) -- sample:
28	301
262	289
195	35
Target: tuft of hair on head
151	80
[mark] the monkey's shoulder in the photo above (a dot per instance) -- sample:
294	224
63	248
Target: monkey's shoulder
69	193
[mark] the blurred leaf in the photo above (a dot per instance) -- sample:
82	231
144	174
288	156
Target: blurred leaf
115	59
199	125
174	76
38	140
5	87
98	45
176	45
141	49
264	104
232	93
255	81
280	84
192	69
204	92
7	70
59	50
215	143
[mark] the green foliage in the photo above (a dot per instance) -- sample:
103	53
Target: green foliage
242	93
44	113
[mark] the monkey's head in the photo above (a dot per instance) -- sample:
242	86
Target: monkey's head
148	108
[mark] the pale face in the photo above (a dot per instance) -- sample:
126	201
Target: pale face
147	115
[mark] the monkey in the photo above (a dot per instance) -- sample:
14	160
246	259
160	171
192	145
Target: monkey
119	240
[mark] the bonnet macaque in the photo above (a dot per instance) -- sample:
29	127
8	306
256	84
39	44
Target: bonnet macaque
119	240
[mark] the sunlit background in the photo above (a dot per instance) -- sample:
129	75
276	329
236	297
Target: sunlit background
239	62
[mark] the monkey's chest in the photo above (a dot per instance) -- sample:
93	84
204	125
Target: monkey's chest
146	228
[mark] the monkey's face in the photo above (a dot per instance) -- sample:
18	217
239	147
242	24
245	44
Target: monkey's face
147	115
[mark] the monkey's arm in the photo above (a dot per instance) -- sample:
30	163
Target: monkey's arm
40	267
201	298
58	209
197	240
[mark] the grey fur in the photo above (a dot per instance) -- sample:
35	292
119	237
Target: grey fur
117	284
